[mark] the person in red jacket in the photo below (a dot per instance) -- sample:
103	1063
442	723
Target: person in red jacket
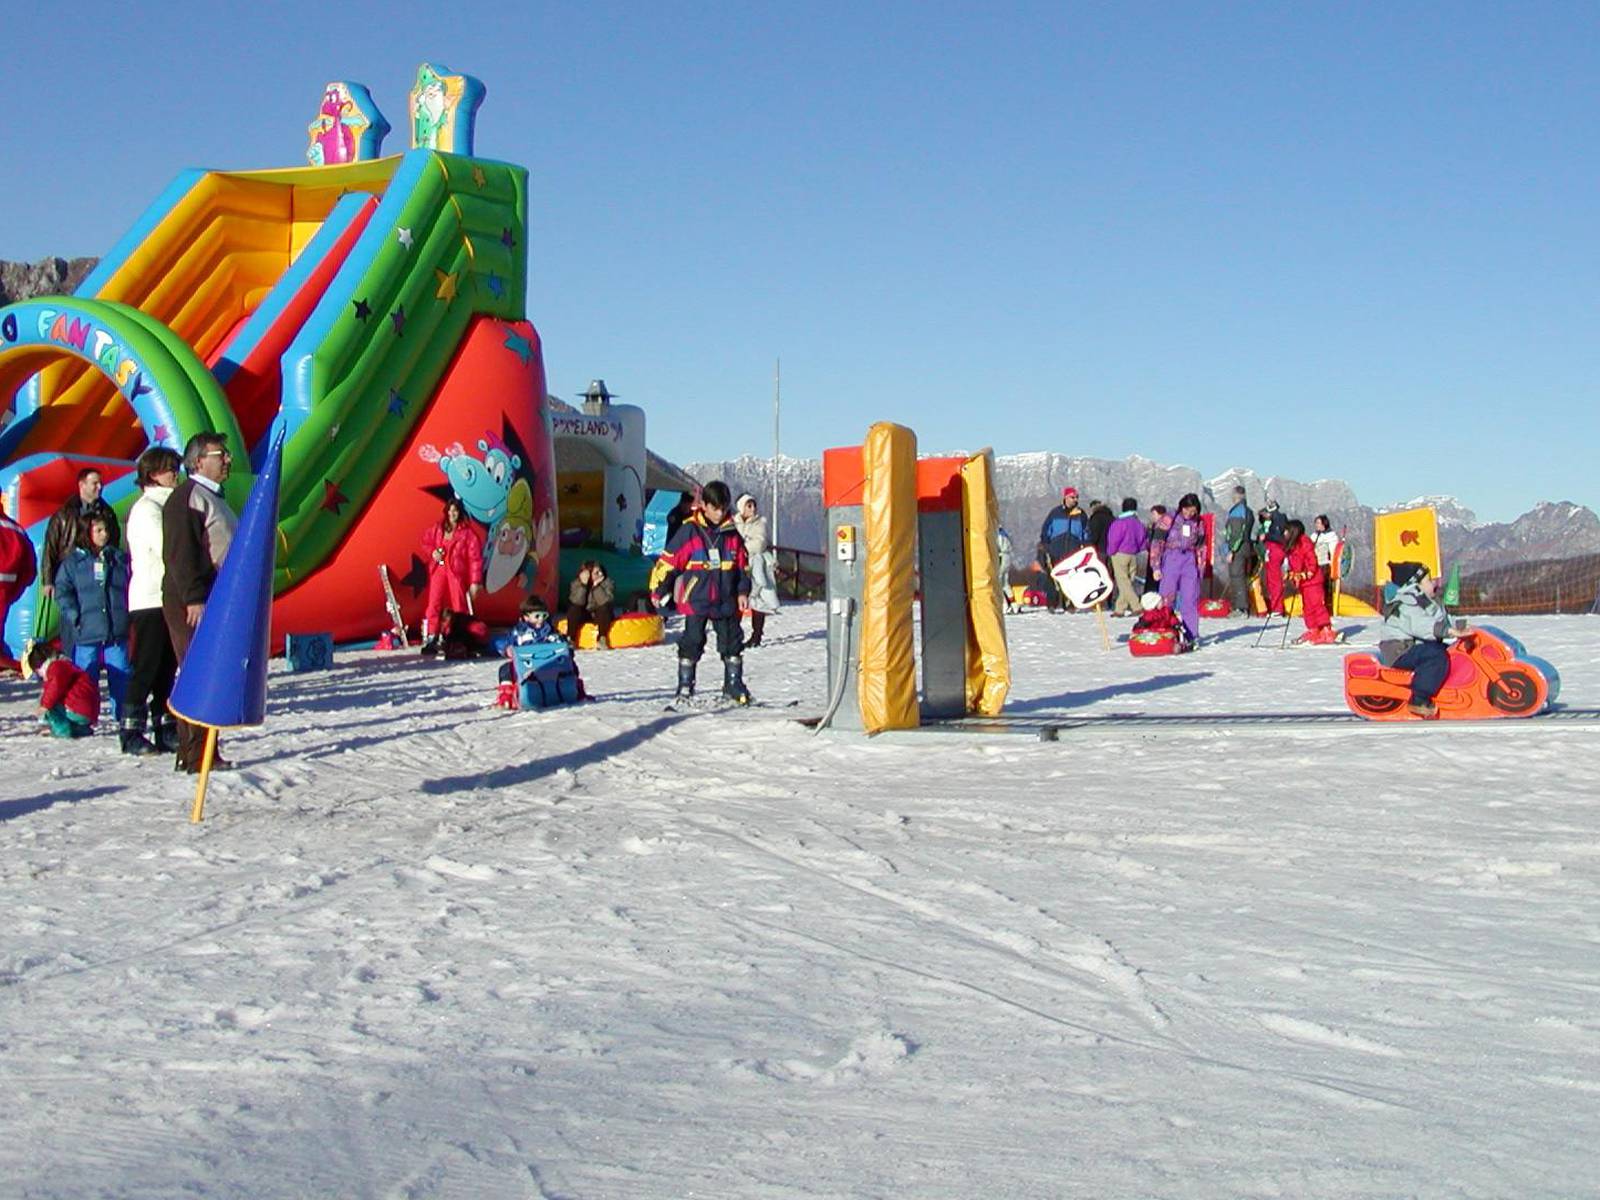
18	567
454	554
70	703
1300	556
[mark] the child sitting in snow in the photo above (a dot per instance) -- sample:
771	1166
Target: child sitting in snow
1158	619
70	704
533	627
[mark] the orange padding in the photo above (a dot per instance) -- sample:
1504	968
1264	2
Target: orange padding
629	629
842	477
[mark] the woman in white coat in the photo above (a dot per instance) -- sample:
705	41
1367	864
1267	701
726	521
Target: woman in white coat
152	661
752	528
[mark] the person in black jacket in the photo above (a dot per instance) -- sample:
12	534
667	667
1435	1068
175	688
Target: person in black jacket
1065	529
1100	518
197	527
61	534
1274	531
705	571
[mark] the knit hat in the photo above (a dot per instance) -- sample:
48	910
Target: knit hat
1151	601
739	503
1069	491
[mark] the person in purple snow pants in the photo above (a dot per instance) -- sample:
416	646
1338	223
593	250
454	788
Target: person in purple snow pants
1179	571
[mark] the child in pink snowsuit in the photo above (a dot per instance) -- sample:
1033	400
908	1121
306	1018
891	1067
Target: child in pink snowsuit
454	554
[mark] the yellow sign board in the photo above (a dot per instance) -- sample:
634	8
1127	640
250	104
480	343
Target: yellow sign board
1410	536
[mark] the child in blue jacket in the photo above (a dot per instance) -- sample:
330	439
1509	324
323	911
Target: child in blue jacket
533	627
92	591
708	573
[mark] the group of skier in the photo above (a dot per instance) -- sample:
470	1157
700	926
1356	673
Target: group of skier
1264	547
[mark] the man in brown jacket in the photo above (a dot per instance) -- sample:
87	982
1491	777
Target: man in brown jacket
61	535
197	527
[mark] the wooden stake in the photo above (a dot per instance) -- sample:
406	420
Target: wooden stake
198	811
1105	627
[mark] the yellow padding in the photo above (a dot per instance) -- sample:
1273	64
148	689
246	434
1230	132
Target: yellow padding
888	674
629	629
988	664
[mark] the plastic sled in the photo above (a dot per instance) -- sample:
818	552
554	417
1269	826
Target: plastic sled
1218	606
1151	644
546	676
1490	676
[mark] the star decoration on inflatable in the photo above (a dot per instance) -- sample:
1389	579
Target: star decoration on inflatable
397	403
363	309
478	177
333	500
403	235
417	577
447	284
520	346
507	238
496	285
398	319
161	433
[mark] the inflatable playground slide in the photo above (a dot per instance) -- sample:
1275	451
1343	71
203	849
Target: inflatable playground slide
369	307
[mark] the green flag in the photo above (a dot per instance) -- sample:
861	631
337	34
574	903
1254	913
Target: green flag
1452	587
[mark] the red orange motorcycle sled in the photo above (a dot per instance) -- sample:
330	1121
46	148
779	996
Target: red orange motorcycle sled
1490	676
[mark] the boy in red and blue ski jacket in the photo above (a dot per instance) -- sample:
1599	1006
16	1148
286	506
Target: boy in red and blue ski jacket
708	571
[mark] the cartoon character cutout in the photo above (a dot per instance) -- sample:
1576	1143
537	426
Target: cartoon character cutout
349	128
443	108
491	492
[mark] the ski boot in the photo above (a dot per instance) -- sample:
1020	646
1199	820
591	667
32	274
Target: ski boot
131	735
166	735
733	680
686	670
507	696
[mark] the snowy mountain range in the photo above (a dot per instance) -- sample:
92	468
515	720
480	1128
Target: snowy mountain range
1029	484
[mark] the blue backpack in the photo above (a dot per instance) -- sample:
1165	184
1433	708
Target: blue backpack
547	675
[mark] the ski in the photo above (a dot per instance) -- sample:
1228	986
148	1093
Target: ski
721	704
393	605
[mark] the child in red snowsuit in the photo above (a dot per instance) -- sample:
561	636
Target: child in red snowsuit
70	704
1158	618
17	569
454	554
1300	553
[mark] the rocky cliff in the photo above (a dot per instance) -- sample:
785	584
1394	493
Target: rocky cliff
47	277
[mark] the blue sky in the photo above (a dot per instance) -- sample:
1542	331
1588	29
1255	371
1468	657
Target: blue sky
1346	241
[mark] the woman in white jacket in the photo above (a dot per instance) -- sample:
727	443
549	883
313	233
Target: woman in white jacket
1327	544
752	529
152	660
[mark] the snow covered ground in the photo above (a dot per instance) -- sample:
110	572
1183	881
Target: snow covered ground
422	948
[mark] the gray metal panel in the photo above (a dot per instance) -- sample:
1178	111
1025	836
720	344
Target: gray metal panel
943	570
844	615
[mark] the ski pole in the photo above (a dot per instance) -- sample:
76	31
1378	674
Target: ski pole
1265	625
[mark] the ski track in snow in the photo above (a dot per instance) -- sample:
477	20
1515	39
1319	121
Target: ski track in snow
424	948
